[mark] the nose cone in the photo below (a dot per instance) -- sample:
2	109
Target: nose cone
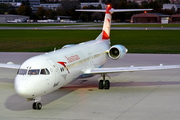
126	50
24	87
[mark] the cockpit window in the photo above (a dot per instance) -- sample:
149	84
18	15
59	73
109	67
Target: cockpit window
44	71
22	71
33	72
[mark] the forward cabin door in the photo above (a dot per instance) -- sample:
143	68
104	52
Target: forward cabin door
54	70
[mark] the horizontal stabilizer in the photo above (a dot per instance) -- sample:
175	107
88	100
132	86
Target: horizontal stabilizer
90	10
129	10
112	10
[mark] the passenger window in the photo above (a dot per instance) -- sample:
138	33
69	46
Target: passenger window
33	72
22	71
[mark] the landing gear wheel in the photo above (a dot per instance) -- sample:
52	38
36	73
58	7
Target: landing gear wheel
107	85
104	84
34	106
101	84
37	106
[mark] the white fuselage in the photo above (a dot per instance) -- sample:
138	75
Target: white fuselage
45	73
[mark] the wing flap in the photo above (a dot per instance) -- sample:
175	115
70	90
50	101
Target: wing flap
131	69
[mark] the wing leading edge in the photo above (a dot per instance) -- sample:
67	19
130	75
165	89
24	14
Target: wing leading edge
131	69
10	65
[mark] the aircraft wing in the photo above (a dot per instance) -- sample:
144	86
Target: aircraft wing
10	65
131	69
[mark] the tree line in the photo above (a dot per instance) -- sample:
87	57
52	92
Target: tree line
67	8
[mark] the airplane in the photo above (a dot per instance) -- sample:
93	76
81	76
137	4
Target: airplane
48	72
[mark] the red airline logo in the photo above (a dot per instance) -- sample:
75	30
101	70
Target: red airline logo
64	64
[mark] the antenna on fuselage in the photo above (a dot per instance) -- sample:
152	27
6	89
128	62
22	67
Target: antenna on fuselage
55	49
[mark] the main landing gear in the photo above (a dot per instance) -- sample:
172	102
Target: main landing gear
37	105
104	84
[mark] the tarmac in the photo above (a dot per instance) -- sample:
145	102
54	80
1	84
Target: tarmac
145	95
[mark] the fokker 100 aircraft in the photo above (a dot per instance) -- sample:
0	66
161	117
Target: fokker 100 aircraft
48	72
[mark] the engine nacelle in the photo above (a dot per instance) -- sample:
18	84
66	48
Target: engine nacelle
117	52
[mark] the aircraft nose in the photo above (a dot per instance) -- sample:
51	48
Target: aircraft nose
24	87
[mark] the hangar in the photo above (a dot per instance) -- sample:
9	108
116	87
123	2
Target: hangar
150	18
175	18
4	18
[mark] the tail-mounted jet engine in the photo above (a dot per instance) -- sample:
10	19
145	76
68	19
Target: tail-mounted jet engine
117	52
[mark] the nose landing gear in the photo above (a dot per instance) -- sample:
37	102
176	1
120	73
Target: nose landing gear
37	105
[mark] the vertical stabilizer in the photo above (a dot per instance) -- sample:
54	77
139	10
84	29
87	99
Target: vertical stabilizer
105	34
107	24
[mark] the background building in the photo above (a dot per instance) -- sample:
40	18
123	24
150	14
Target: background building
150	18
34	4
95	4
174	7
52	6
6	18
175	18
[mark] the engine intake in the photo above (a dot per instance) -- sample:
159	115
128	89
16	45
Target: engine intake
117	52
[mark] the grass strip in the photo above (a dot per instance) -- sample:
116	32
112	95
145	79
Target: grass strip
137	41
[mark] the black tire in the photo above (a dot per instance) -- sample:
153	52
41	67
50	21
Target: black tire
101	84
39	106
107	85
34	106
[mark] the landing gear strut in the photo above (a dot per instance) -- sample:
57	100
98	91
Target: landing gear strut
104	84
37	105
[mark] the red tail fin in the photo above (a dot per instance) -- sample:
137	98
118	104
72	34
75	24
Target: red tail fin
107	24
